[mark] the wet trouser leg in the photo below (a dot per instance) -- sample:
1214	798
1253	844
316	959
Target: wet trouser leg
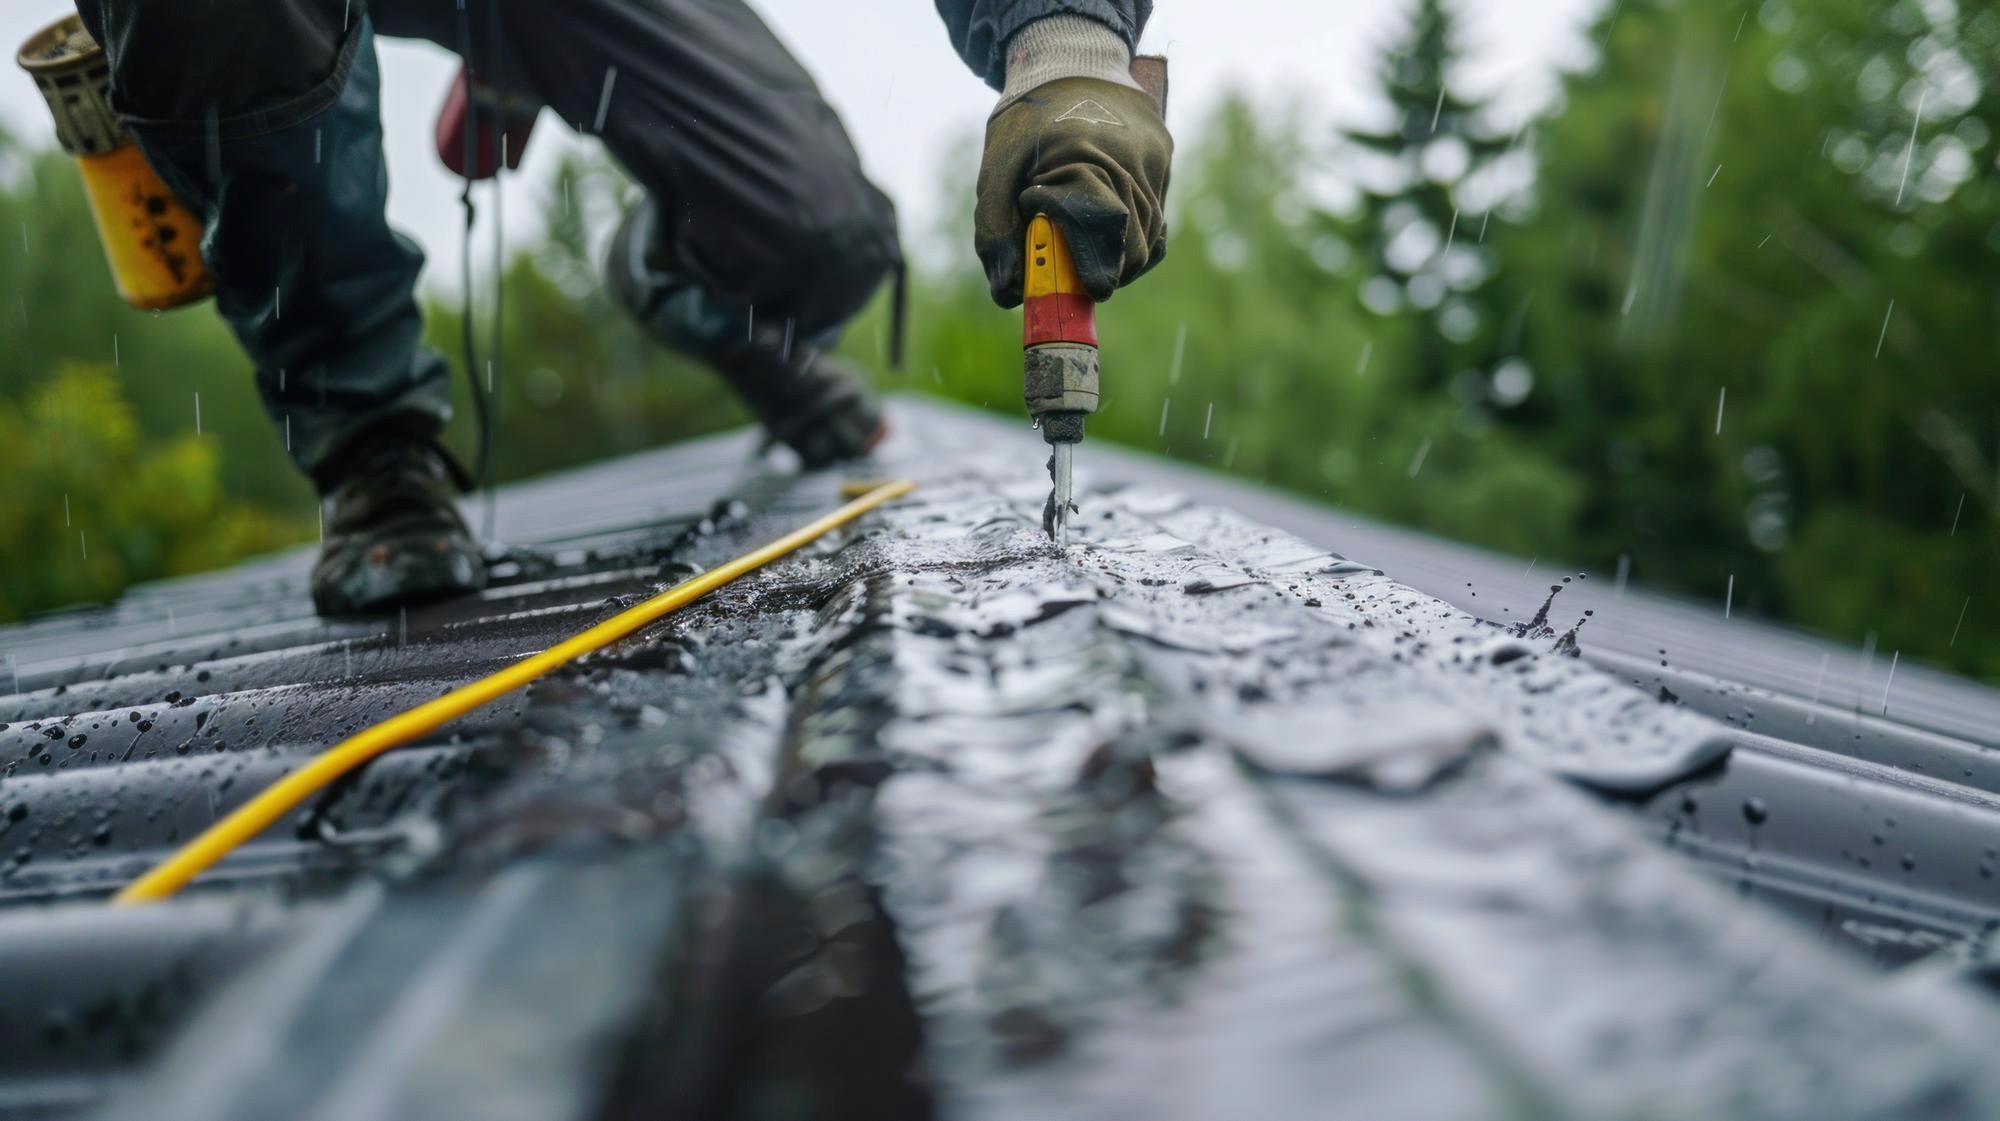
759	198
263	116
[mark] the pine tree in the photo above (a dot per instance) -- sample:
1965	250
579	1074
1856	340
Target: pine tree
1425	254
1763	316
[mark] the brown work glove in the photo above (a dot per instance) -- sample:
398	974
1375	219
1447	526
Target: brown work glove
1092	155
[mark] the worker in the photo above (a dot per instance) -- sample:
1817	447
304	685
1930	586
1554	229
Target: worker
759	235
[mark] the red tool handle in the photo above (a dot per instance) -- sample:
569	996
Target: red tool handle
502	125
1054	306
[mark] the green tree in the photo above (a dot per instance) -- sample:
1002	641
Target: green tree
1422	245
92	506
58	306
106	476
1762	320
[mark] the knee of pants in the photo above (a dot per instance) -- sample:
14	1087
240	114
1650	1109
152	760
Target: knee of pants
838	266
186	61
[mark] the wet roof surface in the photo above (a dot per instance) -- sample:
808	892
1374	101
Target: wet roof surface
1202	819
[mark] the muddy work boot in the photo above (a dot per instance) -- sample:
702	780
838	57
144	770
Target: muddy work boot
818	405
393	533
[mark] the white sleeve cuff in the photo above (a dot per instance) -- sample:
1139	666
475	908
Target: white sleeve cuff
1064	46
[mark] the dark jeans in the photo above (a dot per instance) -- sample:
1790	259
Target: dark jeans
264	116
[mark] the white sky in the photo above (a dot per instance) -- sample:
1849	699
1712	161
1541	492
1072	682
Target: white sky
906	98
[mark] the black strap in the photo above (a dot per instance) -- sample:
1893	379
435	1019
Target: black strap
898	310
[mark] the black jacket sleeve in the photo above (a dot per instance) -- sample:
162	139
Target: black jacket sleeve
980	28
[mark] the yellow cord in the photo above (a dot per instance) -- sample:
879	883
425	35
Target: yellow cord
284	795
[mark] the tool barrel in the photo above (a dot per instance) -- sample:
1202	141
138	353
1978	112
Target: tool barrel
151	240
1054	306
1059	336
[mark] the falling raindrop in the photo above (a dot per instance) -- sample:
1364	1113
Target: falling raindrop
1417	461
1894	657
1729	598
1367	352
1207	420
604	99
1958	514
1819	680
1624	570
1910	153
197	412
1721	399
1885	328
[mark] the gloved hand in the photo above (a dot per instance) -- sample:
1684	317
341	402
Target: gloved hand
1091	152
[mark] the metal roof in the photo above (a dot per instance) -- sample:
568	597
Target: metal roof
1203	819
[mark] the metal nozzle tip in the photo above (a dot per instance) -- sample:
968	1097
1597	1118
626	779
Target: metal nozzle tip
1055	516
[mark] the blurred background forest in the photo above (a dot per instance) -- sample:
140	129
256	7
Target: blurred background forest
1721	320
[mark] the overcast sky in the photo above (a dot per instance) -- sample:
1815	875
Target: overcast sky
886	65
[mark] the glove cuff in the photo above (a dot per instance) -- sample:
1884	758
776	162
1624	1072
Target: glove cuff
1064	46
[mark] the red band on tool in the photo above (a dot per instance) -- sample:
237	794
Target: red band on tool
1060	317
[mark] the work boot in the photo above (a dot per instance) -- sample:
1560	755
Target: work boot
393	533
817	404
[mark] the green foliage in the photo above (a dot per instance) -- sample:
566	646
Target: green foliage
98	449
58	306
92	506
1428	172
1730	203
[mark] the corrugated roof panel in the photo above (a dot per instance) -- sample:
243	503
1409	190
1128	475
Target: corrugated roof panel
1201	819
